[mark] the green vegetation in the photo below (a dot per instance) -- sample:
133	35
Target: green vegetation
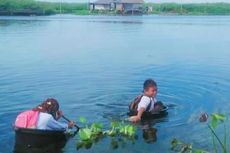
181	147
216	119
189	9
119	133
33	7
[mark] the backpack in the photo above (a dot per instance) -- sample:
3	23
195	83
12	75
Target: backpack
134	104
27	119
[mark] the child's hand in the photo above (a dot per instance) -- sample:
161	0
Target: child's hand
71	124
135	119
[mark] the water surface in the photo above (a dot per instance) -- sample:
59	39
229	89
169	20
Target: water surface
96	65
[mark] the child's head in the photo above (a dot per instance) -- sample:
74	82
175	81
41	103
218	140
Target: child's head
50	106
150	88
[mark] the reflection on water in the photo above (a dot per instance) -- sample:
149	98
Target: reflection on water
96	65
150	135
50	148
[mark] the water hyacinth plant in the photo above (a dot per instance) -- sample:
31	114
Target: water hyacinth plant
121	133
89	134
92	133
117	128
216	120
181	147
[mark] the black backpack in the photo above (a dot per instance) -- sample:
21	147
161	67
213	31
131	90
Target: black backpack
134	104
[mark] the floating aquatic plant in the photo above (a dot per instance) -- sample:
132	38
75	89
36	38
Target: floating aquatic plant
120	134
92	133
82	120
117	128
181	147
216	120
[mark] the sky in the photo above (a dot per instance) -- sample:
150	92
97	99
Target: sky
156	1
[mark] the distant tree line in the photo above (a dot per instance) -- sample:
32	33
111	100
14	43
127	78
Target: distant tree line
190	9
33	7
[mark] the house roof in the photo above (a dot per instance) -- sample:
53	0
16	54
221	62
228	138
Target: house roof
103	1
118	1
131	1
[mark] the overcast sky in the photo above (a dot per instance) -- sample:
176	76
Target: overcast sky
156	1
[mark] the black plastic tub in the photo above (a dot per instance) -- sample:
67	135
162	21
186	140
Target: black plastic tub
151	115
33	140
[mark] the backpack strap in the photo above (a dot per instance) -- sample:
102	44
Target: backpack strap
134	104
149	106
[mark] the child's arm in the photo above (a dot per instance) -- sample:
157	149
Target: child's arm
137	118
55	125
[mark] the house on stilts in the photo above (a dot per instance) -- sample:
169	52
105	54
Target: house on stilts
119	6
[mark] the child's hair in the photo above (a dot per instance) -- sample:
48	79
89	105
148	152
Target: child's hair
149	83
50	106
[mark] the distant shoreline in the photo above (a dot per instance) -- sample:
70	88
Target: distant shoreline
37	8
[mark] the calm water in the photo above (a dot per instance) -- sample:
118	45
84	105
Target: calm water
96	65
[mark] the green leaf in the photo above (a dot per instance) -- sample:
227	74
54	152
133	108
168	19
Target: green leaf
199	151
174	143
82	120
215	118
97	126
111	133
85	134
220	117
214	122
131	130
122	130
114	124
91	135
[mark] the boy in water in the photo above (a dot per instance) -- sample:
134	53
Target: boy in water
147	101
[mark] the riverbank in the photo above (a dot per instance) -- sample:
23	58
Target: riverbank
189	9
31	7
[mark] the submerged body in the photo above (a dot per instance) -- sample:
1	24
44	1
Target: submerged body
147	101
43	117
47	122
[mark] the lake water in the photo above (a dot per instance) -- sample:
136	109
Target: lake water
96	65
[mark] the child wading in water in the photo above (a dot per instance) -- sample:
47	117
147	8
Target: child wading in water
44	117
146	102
